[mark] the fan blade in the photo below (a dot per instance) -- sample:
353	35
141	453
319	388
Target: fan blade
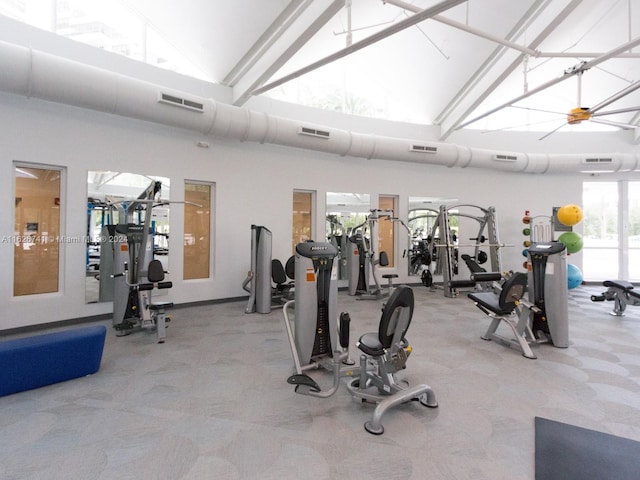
518	126
622	93
614	112
538	110
624	126
553	131
540	88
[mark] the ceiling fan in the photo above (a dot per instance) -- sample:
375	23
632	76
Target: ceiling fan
579	114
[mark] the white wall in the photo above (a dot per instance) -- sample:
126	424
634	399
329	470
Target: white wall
254	184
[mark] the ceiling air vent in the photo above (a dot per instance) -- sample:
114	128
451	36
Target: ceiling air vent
591	161
313	132
423	149
505	158
181	102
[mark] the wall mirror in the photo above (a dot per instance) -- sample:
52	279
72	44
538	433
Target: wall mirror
117	198
345	212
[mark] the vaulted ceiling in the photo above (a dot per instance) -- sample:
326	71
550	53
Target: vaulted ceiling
485	64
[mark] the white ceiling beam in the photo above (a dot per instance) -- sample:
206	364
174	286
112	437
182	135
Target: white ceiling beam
376	37
622	93
584	55
518	29
455	124
289	15
264	68
465	28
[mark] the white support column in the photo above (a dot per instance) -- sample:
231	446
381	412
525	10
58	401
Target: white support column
623	229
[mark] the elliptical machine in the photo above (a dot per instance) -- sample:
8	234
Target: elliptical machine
314	339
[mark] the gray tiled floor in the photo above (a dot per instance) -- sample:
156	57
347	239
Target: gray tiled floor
213	402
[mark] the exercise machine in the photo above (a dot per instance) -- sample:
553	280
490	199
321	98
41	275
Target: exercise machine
258	281
361	261
126	257
317	341
622	293
509	306
143	313
444	246
338	237
539	317
263	294
315	337
550	292
283	280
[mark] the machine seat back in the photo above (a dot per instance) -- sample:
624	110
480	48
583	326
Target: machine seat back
279	276
394	323
155	275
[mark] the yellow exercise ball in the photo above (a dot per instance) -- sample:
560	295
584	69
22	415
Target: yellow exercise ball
570	215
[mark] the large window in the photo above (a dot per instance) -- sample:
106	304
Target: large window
611	230
302	218
197	230
386	228
37	239
114	26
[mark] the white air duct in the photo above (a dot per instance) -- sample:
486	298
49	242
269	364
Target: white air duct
37	74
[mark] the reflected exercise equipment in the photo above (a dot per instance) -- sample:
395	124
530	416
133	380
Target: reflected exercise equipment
361	261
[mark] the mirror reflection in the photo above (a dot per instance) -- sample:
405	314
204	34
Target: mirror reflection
117	205
345	211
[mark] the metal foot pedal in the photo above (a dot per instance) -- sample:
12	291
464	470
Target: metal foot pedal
306	380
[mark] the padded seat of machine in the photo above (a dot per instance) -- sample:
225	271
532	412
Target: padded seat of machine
622	284
370	344
160	306
472	265
390	275
490	301
505	302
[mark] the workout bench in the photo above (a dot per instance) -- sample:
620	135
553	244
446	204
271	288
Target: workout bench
621	292
40	360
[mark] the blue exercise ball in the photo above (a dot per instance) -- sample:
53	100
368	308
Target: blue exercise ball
574	276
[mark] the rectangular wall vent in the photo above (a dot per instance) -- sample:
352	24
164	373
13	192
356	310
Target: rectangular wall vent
423	149
597	160
181	102
506	158
313	132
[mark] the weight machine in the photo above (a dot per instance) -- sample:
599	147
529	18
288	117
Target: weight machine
129	245
258	281
533	305
317	341
443	247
